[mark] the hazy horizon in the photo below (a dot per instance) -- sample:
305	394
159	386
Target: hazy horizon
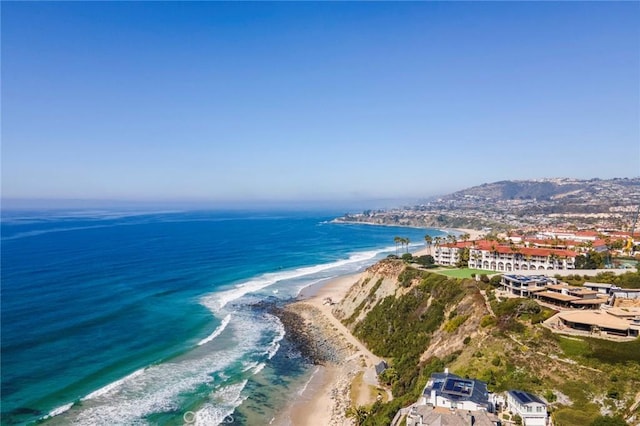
345	102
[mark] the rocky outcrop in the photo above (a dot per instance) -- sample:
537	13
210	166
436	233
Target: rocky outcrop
376	283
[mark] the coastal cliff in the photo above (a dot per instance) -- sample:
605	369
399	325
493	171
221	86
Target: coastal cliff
421	322
377	282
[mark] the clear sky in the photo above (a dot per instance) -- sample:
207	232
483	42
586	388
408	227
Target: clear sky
313	101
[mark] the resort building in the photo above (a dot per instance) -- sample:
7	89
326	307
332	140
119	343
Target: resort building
530	408
493	256
450	391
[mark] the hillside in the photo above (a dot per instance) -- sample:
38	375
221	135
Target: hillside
421	322
608	203
552	189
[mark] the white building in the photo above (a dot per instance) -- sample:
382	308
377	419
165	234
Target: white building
493	256
531	408
450	391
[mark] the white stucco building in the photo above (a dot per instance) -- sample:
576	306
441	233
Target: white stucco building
530	408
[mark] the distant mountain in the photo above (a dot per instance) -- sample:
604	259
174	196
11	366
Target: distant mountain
509	204
548	189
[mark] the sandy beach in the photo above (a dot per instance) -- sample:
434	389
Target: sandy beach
326	397
334	386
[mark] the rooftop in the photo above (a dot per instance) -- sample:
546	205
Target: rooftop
439	416
456	388
594	318
557	296
597	285
525	397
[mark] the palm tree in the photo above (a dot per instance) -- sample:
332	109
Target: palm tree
406	242
476	258
438	240
397	240
465	237
429	241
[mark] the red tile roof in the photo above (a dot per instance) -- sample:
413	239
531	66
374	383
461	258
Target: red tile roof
486	245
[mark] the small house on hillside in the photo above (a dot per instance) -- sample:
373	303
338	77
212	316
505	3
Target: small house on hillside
532	409
381	367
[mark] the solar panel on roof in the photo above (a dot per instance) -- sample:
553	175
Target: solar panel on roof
523	397
526	397
459	386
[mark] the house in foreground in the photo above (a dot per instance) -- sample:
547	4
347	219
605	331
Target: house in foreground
426	415
450	391
529	407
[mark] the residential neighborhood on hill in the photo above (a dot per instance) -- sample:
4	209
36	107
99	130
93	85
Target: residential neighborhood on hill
529	204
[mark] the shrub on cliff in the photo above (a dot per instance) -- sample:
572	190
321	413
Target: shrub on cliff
400	328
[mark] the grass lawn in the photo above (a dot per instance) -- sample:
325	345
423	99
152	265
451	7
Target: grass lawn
464	272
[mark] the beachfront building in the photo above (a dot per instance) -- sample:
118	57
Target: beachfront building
453	392
529	407
493	256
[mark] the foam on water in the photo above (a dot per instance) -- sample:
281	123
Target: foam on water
259	368
58	411
217	301
275	344
158	388
111	386
217	331
223	403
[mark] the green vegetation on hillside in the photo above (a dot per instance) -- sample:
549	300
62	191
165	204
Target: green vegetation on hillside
582	377
626	280
400	329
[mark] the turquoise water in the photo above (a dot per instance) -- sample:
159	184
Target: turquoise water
135	317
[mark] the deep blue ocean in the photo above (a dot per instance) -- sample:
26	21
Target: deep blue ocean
121	318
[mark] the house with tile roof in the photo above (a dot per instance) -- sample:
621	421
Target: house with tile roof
424	415
494	256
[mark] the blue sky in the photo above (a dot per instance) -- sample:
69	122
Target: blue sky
253	102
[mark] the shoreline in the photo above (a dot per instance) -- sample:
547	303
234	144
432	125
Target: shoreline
397	225
327	395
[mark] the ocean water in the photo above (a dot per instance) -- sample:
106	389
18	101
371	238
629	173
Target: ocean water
149	318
